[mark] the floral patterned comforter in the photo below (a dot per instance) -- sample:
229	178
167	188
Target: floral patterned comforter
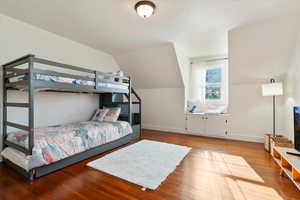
57	142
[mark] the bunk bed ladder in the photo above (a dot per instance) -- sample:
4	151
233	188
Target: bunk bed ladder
10	71
130	103
136	117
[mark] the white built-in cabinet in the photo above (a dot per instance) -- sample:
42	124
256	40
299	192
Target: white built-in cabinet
195	124
212	125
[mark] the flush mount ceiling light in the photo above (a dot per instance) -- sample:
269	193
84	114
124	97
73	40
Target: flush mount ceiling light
144	8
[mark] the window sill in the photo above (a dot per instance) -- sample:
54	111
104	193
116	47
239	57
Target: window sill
199	113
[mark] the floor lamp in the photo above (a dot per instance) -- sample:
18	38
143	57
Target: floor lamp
272	89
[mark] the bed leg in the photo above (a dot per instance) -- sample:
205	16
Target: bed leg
31	175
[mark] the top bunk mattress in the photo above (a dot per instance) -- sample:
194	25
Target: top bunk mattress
107	84
58	142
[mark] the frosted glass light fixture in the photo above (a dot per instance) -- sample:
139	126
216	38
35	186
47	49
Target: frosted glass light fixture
144	8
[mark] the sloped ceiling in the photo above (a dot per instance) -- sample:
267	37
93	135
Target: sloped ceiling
205	44
114	27
142	47
260	51
153	67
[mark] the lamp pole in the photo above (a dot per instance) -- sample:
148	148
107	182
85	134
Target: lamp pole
274	135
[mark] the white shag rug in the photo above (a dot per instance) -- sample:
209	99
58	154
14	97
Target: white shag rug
146	163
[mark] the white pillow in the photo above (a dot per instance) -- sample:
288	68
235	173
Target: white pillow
112	115
95	114
100	114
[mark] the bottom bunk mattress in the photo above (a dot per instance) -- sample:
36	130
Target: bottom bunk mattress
58	142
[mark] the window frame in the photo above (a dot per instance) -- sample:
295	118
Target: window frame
216	84
223	83
197	84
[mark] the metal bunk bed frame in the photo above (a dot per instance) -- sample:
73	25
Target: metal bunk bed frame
10	70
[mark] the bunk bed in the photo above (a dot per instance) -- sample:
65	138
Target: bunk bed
26	74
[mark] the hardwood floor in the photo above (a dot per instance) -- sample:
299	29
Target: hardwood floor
214	169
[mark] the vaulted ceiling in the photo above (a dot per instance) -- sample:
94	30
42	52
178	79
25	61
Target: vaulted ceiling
198	27
113	26
152	67
261	51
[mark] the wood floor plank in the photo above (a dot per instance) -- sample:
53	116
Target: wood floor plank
214	169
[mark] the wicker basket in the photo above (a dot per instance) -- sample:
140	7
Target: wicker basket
279	141
267	142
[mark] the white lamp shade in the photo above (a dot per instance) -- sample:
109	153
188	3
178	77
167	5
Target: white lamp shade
272	89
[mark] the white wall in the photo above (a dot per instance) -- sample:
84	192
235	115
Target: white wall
160	76
163	109
18	39
152	67
202	44
257	52
183	64
261	50
185	69
292	89
251	114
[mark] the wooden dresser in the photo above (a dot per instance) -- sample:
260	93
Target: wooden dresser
289	164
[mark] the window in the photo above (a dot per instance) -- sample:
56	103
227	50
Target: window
209	85
213	84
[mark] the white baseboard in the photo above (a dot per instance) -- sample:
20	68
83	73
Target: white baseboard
166	129
232	136
259	139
